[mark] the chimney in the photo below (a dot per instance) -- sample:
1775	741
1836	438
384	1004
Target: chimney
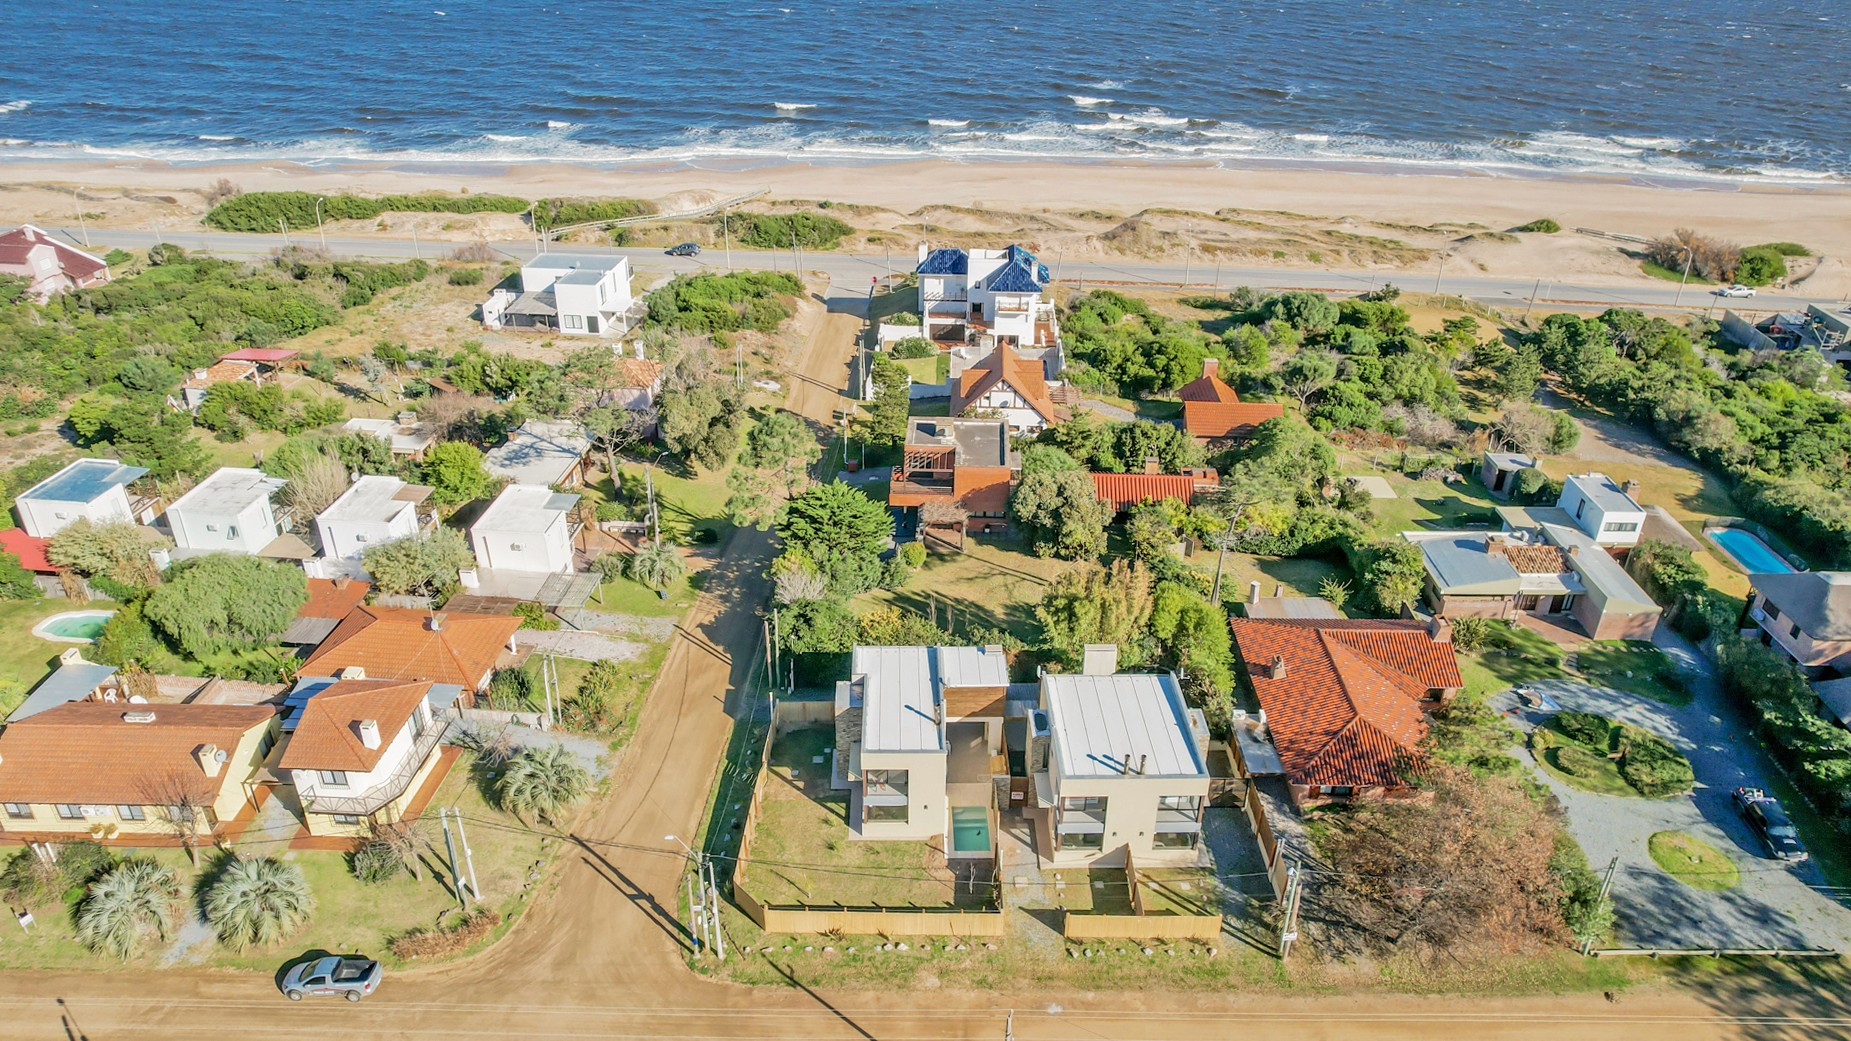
1440	629
342	580
1279	590
199	374
1099	659
435	623
1631	489
211	760
1275	669
639	350
1143	763
1253	591
350	672
1210	366
1151	466
369	732
924	250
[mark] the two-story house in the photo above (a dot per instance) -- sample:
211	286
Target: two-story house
95	490
128	773
48	264
1213	412
985	296
572	293
1806	615
966	463
1604	509
359	750
458	648
372	511
1005	384
228	512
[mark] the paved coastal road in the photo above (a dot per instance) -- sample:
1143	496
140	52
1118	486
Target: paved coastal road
846	269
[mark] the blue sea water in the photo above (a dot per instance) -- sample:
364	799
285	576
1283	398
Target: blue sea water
1715	88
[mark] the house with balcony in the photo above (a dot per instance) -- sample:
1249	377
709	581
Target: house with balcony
95	490
228	512
373	510
132	774
986	296
1213	412
1345	700
965	466
577	294
404	435
1604	510
1806	616
1005	384
359	751
455	648
48	265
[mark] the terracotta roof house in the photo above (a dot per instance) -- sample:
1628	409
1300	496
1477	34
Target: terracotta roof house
1005	382
48	265
193	389
1124	491
1805	615
1212	411
330	600
406	644
962	462
360	750
1345	700
71	768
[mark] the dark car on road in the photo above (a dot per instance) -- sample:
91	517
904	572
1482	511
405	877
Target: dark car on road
1764	814
686	249
351	977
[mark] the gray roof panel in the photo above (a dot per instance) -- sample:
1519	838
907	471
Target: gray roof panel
1105	726
83	481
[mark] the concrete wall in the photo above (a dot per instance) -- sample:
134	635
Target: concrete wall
44	518
344	539
246	531
1613	625
926	803
1130	819
540	551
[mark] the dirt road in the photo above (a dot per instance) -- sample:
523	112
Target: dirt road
600	955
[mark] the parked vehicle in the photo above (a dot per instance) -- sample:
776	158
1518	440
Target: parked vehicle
1764	814
351	976
1736	290
686	249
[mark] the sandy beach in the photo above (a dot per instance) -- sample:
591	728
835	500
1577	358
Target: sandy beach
1103	208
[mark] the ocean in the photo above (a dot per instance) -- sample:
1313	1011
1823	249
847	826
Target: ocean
1641	88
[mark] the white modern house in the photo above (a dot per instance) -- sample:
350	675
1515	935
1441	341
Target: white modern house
987	296
1604	509
228	512
578	294
95	490
373	510
527	528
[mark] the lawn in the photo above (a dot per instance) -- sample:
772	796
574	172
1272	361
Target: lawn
933	370
25	659
1301	576
1510	655
1634	666
1587	769
1693	861
1606	757
685	500
348	914
628	596
1422	504
995	582
1179	891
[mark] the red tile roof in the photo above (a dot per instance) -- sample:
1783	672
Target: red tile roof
327	737
29	550
74	263
333	598
1003	365
1124	491
1211	409
1346	711
397	643
85	752
262	354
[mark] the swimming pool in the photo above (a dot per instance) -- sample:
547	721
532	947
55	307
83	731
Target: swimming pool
73	626
1755	556
970	829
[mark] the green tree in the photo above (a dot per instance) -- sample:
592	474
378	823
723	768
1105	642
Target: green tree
1564	434
1197	644
773	466
132	903
225	601
1395	576
824	626
1306	374
16	583
1311	313
117	550
1520	375
657	565
1061	514
455	473
841	532
258	901
418	564
699	410
886	421
1038	458
1099	605
543	782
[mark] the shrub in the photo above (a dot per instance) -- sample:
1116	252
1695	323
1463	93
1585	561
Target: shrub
511	690
912	554
657	565
559	213
1759	266
1786	714
782	230
1785	249
466	276
129	904
375	862
915	347
30	882
542	782
1541	225
118	257
533	616
1652	766
1577	761
1585	727
1469	633
714	303
266	211
258	901
436	943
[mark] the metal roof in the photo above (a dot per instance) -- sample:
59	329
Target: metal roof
229	491
1599	572
899	698
539	452
1020	273
1459	564
1105	726
971	666
67	683
945	262
1601	490
1292	607
1510	460
84	481
581	277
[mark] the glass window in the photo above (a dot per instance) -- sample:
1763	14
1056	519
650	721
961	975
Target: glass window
573	321
1173	840
132	813
886	778
1084	803
417	723
1794	631
1339	791
70	811
1082	840
333	778
1620	526
885	813
346	818
1768	608
19	811
1177	802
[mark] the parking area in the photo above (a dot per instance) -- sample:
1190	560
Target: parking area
1772	905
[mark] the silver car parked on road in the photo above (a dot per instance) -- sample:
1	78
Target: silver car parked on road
351	977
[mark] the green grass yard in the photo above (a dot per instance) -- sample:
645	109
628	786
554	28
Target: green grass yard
933	370
1634	666
1600	775
1510	655
1693	861
995	582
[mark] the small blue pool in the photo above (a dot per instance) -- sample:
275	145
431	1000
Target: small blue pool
1755	556
970	829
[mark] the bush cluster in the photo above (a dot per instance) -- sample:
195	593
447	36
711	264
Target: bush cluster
437	943
783	230
758	300
268	211
559	213
1653	767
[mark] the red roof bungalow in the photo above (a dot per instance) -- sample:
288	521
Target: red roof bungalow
1124	491
1212	411
1346	698
48	265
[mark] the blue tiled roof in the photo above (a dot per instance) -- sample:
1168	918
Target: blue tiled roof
1020	273
945	262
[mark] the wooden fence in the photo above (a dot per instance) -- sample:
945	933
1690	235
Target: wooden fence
1277	870
1140	927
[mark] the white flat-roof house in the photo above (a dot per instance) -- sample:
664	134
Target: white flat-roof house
373	510
228	512
527	528
1123	773
1604	509
578	294
89	489
987	296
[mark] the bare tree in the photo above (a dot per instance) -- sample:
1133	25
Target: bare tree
221	190
181	802
314	484
1421	425
455	417
474	252
1524	428
407	838
801	584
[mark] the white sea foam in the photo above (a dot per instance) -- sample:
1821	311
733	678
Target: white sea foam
507	137
218	137
559	124
948	122
790	106
1106	85
1084	100
1155	117
14	106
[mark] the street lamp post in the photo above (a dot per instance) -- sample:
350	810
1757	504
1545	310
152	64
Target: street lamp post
78	205
1689	255
318	225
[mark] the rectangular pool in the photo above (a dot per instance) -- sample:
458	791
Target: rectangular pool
970	829
1755	556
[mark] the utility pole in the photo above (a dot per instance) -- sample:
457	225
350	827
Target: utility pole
1606	887
1533	293
469	856
1009	1027
416	252
280	222
319	226
726	233
713	911
449	850
1437	274
649	486
796	255
78	205
1214	592
1690	254
1288	929
1186	259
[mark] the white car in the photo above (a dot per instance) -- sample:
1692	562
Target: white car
1736	290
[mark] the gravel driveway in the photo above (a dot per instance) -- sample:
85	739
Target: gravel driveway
1776	905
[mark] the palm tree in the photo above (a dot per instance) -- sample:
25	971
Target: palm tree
127	905
540	782
657	565
258	901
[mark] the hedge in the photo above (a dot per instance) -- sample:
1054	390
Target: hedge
559	213
1786	714
266	211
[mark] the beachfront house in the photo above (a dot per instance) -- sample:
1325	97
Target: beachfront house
95	490
455	648
373	510
577	294
48	265
1805	615
228	512
1604	509
527	528
1344	700
1541	566
360	751
1213	412
131	774
1003	383
985	296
